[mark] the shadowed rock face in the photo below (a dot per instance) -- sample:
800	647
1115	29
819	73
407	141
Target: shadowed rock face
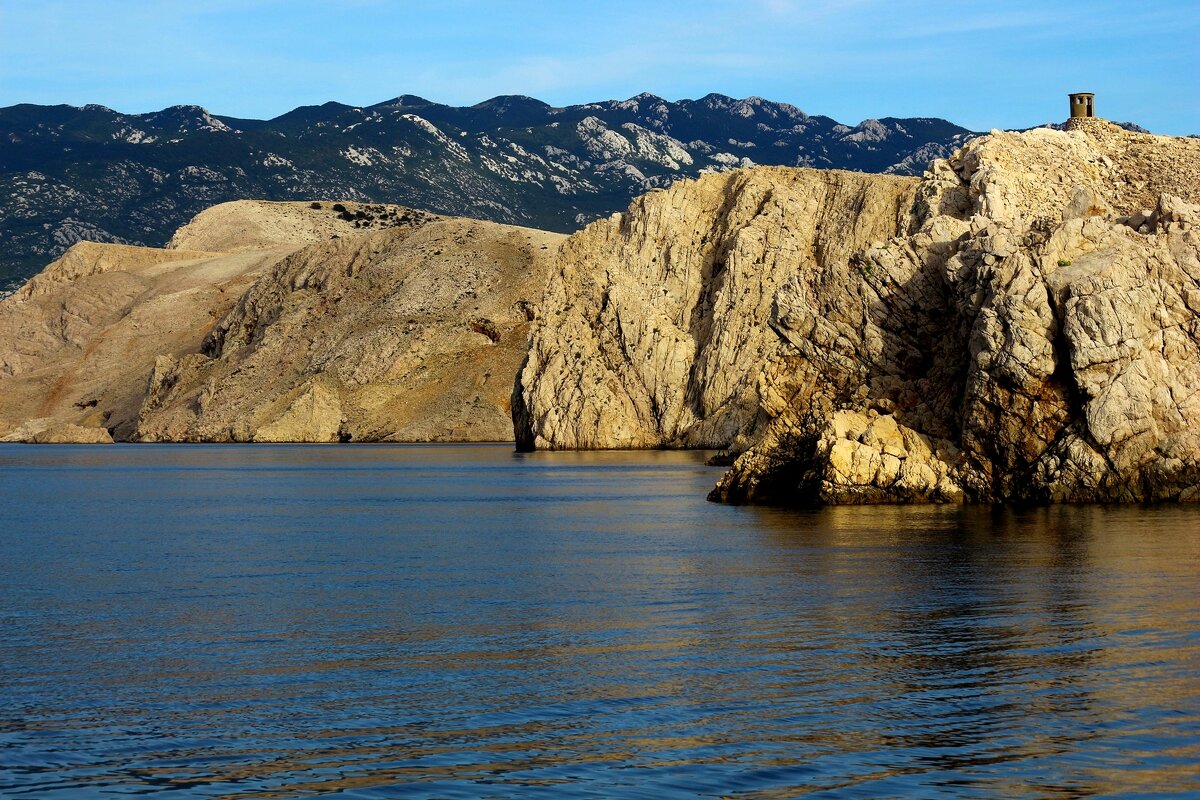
310	325
1024	325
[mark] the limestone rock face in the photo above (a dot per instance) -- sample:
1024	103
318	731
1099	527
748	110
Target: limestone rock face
395	335
50	431
78	341
656	327
306	328
1023	325
1066	362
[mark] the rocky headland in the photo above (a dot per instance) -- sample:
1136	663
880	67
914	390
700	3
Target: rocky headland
1022	324
303	322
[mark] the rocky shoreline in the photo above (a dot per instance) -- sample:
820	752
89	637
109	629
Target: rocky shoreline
1020	325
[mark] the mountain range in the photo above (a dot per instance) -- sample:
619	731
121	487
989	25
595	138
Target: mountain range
90	173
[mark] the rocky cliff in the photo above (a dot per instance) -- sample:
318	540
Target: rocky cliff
1021	325
277	322
658	321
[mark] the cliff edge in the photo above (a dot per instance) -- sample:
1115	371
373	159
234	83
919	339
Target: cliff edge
1021	325
657	322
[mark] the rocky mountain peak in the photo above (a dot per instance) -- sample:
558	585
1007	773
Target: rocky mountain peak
505	103
184	119
111	177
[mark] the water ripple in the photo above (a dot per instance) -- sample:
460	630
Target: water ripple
442	622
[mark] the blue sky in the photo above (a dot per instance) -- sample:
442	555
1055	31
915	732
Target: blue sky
1004	63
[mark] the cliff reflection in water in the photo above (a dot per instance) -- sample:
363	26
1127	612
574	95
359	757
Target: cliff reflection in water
987	631
463	622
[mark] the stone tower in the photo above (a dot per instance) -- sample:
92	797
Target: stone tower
1083	104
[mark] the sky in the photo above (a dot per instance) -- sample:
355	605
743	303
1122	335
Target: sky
983	65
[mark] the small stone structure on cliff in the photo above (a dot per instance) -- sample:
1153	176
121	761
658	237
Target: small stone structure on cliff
1083	104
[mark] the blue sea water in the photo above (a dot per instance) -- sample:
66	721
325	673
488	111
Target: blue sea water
466	622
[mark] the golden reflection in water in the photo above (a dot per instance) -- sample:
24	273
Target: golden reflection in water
973	619
1031	599
608	630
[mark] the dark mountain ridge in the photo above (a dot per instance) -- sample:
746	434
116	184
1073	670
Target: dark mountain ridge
71	173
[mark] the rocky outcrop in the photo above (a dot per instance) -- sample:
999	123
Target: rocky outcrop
870	458
71	434
1027	330
51	431
656	327
318	322
407	334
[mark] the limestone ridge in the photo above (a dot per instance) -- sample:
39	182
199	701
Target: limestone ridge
1021	325
313	322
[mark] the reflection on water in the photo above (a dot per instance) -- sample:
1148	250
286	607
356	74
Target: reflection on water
465	622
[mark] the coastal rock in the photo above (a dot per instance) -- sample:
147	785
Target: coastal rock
656	326
305	329
1074	354
71	434
873	459
49	431
1021	326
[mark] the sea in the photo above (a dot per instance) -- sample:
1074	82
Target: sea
443	621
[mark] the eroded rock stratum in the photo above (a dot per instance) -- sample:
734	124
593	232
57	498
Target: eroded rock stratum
1020	325
277	322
